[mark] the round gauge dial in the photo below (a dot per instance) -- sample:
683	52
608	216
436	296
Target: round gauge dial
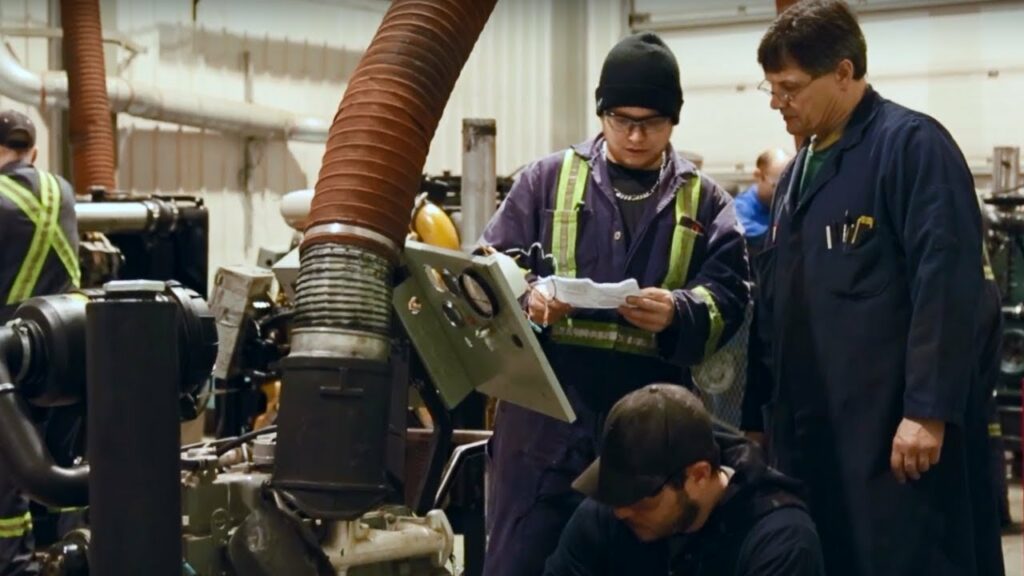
478	294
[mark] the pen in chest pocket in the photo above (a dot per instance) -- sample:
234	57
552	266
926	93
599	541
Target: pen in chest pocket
863	223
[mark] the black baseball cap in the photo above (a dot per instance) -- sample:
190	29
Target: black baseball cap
651	436
17	130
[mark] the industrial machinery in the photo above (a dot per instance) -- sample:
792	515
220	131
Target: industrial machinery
155	237
321	485
147	349
1004	218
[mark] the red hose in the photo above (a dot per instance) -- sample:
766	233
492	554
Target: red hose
92	136
380	137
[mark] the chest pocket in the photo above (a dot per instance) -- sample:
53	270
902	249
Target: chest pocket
858	272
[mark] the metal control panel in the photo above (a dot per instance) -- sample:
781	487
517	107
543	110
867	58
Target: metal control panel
464	318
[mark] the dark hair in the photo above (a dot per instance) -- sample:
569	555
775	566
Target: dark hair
714	458
817	35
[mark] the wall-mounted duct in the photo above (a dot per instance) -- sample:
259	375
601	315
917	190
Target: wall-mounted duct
92	136
50	89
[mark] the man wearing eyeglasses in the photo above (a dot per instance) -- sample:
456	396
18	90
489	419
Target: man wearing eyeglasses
869	295
673	493
623	204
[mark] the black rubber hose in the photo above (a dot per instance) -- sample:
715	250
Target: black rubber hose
223	445
26	459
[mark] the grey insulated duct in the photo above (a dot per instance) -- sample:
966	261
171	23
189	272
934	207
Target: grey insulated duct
50	89
337	380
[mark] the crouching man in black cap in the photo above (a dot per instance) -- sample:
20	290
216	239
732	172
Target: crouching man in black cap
670	495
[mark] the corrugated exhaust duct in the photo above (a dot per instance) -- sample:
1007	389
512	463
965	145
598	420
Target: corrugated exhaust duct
337	381
92	136
372	167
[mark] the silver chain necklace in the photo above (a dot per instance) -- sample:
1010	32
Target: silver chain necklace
636	197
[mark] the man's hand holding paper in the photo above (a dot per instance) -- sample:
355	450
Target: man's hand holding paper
654	309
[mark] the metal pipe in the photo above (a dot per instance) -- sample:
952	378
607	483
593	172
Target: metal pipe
1005	169
50	89
49	32
479	179
295	207
113	216
91	132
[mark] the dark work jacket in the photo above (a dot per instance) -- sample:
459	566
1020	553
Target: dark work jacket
534	458
759	528
16	232
862	336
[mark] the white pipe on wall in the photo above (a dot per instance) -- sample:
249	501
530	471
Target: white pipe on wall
51	89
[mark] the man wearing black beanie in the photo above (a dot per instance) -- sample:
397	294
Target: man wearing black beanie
621	205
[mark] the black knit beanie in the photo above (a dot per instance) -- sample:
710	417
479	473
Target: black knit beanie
640	71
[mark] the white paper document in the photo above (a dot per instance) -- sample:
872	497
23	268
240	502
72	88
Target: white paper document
585	293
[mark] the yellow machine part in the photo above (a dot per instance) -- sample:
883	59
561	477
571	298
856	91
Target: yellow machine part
432	226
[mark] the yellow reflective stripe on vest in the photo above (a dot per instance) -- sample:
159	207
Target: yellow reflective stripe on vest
683	236
716	322
15	527
32	264
572	183
44	213
605	335
67	255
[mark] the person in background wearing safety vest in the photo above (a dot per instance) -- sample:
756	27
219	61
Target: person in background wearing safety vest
621	205
39	236
676	493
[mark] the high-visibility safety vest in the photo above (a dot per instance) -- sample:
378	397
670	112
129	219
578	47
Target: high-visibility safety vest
572	183
44	212
15	526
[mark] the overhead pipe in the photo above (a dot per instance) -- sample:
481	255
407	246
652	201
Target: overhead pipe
91	132
337	379
50	89
152	216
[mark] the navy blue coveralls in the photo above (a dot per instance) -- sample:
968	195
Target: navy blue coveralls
534	458
52	269
865	332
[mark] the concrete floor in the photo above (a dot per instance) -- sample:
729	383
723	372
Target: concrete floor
1013	544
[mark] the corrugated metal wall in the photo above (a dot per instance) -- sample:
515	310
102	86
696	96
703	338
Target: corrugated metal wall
300	54
962	64
533	70
34	53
